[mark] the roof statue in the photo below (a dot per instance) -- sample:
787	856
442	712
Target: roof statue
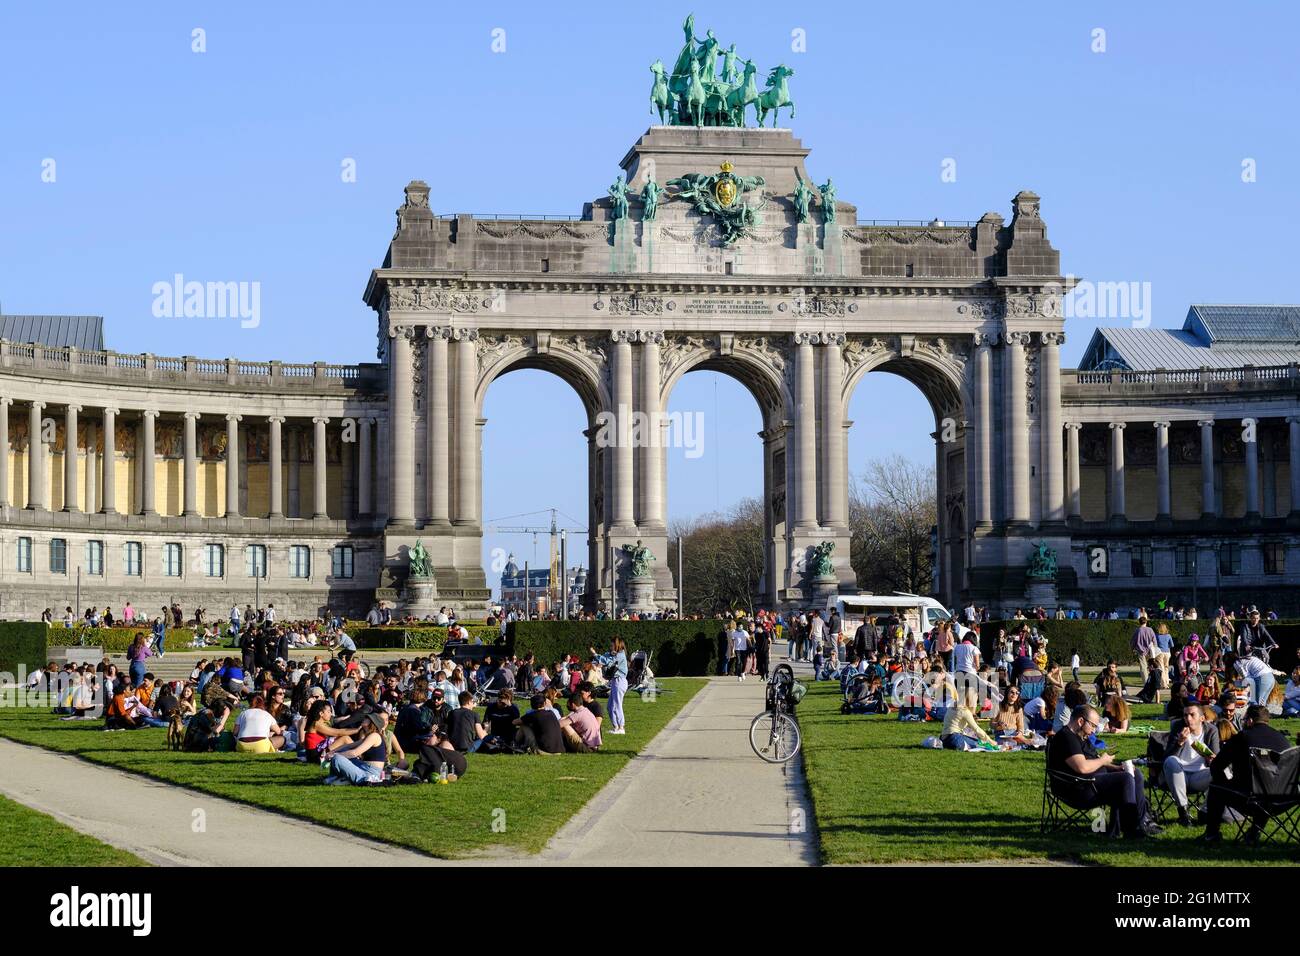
694	94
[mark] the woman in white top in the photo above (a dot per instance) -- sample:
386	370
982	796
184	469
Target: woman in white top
740	644
256	731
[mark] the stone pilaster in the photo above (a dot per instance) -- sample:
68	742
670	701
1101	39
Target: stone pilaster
401	437
145	462
108	475
319	500
1049	374
1072	451
275	466
651	468
804	473
467	431
1208	507
437	399
232	465
1250	430
1118	501
835	481
983	450
363	467
623	511
1163	497
70	483
191	467
1016	428
4	451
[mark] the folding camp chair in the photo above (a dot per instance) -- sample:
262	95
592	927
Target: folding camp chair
1274	797
1159	797
1057	814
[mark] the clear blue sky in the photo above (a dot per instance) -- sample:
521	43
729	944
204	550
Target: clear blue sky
226	165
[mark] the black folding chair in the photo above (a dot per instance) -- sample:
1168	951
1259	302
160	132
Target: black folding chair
1058	814
1273	801
1159	797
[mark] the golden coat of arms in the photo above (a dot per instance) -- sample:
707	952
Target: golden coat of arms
725	187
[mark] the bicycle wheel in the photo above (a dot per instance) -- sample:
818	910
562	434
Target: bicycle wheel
774	737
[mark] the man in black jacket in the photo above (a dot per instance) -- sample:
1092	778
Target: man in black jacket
1225	793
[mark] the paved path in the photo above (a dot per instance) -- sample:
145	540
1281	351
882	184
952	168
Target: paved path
155	820
698	796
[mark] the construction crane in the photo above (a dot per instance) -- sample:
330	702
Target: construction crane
558	582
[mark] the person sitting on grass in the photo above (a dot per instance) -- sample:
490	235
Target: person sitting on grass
961	731
318	731
362	761
205	728
501	717
1103	784
464	729
1109	682
1232	792
1041	711
256	731
1008	725
538	731
1291	698
1074	696
1117	714
581	730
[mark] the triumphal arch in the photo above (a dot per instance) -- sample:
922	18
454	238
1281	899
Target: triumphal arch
716	248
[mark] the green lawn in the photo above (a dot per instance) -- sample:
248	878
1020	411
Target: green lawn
878	796
30	838
504	803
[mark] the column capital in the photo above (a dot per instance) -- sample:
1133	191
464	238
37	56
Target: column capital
234	417
984	340
277	419
1293	419
73	408
437	332
805	338
192	416
110	410
1052	339
623	336
1016	338
149	413
649	336
464	334
6	401
829	338
320	420
1075	426
1117	425
1160	424
37	403
1205	421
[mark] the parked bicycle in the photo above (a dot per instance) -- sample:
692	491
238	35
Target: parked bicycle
774	734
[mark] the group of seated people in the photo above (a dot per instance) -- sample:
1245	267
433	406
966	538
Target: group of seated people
419	716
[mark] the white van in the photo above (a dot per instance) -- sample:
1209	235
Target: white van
919	613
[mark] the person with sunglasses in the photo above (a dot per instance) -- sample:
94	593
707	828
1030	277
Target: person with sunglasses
1093	780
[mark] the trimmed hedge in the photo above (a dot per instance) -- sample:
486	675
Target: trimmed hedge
1102	640
114	640
21	644
679	648
419	638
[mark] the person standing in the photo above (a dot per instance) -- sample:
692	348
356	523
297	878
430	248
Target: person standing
615	664
1144	644
762	647
136	655
740	647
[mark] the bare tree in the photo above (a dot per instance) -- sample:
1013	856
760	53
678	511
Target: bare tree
722	557
892	510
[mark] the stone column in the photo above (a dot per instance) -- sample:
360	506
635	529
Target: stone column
467	436
232	465
145	457
70	459
275	467
89	484
1049	375
1118	507
436	389
983	430
4	451
652	451
401	436
35	458
363	467
1072	493
191	508
108	475
623	454
1208	509
319	500
805	435
1293	452
832	464
1250	426
1163	503
294	484
1016	436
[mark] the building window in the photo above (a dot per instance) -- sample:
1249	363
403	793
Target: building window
255	560
299	561
214	560
1185	560
1274	557
1098	561
58	556
172	557
132	558
1229	559
94	557
342	561
25	555
1142	561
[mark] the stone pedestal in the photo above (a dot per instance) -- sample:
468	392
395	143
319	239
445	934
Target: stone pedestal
806	242
1040	593
420	597
623	255
825	589
833	248
641	594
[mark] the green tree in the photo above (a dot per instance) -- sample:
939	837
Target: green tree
892	510
722	558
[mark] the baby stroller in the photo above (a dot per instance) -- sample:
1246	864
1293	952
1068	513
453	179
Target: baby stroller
640	678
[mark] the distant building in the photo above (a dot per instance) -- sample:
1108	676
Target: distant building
535	589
